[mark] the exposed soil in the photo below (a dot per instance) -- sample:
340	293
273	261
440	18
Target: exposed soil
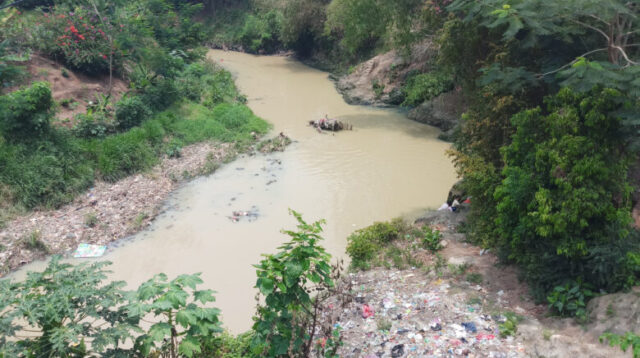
377	81
73	91
433	312
108	211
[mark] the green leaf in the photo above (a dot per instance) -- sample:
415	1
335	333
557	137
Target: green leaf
159	331
189	346
265	285
204	296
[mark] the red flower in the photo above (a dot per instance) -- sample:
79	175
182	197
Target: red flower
73	29
104	56
81	37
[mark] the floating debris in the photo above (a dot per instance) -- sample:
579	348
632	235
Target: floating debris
330	124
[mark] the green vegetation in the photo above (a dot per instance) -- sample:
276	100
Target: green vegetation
425	86
391	244
75	305
570	300
286	280
625	341
546	144
364	244
510	325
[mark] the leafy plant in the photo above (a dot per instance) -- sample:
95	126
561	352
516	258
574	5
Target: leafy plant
71	306
623	341
26	113
92	125
426	86
570	299
285	323
510	325
364	244
184	325
429	239
130	112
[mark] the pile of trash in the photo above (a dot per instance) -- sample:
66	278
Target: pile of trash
330	124
402	314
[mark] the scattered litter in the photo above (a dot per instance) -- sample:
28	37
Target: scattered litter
470	327
87	250
397	351
367	311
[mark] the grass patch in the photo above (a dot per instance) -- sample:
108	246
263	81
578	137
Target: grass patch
475	278
52	171
33	242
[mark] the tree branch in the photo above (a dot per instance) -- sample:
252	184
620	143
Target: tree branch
593	28
541	75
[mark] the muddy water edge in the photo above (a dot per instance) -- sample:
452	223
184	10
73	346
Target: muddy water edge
388	166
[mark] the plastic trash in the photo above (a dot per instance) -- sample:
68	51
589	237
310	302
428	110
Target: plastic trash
87	250
397	351
470	327
367	311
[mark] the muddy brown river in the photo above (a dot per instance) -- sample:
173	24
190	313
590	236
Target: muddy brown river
388	166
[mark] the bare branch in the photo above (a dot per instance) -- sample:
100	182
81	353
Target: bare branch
571	63
593	28
624	54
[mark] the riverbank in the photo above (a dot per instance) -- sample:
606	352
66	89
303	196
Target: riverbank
108	211
461	302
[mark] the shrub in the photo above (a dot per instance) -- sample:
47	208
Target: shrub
564	202
160	94
91	125
364	244
60	302
184	326
26	113
130	112
426	86
286	280
624	341
261	32
570	299
430	239
80	39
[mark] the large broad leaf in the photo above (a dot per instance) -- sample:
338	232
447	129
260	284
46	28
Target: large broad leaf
189	346
159	331
265	285
204	296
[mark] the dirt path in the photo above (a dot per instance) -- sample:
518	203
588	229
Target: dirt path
106	212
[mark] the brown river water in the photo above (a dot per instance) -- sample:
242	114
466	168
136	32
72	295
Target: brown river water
388	166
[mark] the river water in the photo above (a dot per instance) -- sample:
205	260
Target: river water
388	166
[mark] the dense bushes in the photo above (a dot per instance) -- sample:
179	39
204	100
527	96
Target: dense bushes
364	244
26	114
426	86
130	112
565	193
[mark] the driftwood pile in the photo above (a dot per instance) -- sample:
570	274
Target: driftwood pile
330	124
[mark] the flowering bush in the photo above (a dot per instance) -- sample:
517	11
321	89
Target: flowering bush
81	39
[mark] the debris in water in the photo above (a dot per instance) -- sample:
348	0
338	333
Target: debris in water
251	215
330	124
87	250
